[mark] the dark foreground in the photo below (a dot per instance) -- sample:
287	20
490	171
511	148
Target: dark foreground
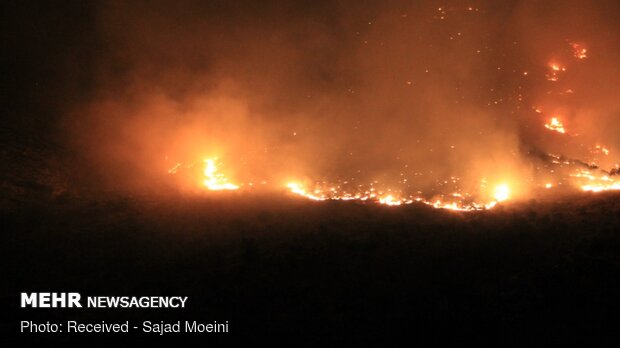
317	272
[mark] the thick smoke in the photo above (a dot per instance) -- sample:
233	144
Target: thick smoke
344	90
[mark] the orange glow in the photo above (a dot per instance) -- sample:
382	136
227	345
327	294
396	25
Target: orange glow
502	192
216	181
457	202
595	183
555	70
298	190
555	125
601	187
603	150
579	51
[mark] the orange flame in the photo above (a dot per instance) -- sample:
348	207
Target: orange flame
579	51
216	181
555	125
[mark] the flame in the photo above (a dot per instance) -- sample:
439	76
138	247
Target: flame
216	181
458	202
579	51
174	169
555	70
502	192
603	150
601	187
555	125
298	190
390	200
596	183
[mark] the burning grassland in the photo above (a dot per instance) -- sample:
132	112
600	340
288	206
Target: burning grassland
453	106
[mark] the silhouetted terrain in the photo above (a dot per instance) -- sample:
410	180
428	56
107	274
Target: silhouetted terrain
280	266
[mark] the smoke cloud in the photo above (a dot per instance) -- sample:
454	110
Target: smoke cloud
410	94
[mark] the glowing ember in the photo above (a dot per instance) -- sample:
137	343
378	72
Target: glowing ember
555	70
602	149
595	183
555	125
174	169
579	51
214	180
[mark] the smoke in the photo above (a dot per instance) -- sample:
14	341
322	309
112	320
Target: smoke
390	91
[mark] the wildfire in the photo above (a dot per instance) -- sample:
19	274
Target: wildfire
390	200
556	67
592	180
555	70
447	195
298	190
502	192
174	169
579	51
555	125
596	183
455	201
216	181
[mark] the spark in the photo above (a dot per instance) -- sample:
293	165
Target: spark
603	150
298	190
174	169
601	187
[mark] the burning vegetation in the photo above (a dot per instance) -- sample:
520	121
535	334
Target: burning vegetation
341	166
387	103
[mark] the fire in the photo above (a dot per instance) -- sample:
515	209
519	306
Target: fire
174	169
579	51
555	70
390	200
556	67
298	190
216	181
601	187
596	183
555	125
502	192
453	198
602	149
456	201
